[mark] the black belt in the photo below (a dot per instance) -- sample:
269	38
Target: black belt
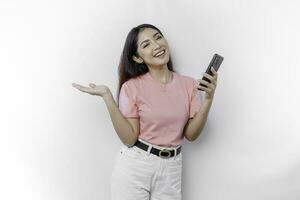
165	153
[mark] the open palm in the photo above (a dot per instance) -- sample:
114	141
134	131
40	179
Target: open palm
99	90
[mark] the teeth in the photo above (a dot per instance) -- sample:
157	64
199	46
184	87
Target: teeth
159	54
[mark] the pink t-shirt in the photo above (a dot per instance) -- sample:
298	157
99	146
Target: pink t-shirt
163	109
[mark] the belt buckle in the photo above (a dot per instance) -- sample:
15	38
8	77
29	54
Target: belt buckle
164	150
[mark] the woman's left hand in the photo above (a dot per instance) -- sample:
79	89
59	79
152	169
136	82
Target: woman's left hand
211	87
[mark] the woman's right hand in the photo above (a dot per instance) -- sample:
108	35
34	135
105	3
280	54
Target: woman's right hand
99	90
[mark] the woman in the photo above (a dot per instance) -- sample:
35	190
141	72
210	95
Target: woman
157	108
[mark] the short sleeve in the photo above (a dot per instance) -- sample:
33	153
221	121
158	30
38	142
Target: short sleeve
195	99
127	101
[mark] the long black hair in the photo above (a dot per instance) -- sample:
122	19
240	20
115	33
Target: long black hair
128	68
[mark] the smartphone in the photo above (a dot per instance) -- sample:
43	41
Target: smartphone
215	62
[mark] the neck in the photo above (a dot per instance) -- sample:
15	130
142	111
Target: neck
162	74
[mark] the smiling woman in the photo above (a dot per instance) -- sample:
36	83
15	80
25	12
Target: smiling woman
157	108
158	102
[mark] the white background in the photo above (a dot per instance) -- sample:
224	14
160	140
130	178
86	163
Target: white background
58	143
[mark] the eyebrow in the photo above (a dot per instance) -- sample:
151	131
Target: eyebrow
148	40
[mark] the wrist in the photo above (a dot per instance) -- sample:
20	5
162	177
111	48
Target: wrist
107	96
208	100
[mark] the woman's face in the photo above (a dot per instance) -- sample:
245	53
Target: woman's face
150	42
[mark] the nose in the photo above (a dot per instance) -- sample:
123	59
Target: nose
156	45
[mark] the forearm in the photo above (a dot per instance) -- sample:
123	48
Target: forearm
197	123
120	123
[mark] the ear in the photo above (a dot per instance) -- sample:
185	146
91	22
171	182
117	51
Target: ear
138	60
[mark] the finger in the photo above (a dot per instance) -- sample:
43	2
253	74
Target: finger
208	84
203	88
92	85
76	85
204	82
211	86
207	89
208	76
82	88
213	71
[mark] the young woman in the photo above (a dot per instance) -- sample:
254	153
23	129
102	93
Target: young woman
157	108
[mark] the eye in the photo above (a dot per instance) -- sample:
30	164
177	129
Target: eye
158	37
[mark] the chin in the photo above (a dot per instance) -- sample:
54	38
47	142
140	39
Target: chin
161	61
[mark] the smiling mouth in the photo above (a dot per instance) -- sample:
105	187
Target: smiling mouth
161	53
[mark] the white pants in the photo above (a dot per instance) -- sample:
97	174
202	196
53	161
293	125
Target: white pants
141	175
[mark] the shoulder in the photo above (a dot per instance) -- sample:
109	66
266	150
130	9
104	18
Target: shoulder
135	82
131	84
